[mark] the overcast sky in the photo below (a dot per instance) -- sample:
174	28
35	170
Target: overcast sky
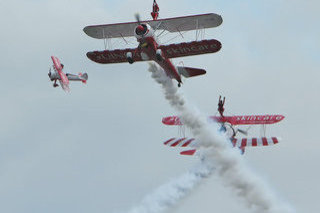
100	147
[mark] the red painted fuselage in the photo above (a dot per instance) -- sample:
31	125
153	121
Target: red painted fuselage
149	48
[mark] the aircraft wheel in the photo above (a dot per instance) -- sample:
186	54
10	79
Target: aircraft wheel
130	61
159	57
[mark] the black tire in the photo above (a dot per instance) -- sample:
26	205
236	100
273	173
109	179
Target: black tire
130	60
159	57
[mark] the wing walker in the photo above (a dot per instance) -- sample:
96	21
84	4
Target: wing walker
149	49
228	125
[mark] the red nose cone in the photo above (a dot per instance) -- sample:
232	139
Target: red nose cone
139	29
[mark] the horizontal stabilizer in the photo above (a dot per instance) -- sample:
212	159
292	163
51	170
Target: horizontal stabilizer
83	77
190	72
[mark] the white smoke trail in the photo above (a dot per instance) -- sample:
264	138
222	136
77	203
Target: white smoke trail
228	162
168	195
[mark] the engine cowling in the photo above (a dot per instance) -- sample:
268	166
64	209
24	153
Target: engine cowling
53	75
143	30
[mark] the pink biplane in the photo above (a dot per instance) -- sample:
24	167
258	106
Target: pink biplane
228	125
149	49
58	74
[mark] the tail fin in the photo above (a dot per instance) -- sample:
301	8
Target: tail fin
83	77
190	72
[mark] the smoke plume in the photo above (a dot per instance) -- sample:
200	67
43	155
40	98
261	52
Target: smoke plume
229	164
169	194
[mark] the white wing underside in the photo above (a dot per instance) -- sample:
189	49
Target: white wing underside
177	24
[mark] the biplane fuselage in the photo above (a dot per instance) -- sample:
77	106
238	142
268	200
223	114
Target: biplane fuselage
57	74
150	51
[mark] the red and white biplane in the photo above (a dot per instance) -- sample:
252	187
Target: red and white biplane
58	74
149	48
229	126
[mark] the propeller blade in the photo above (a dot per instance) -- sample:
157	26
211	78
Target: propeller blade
137	16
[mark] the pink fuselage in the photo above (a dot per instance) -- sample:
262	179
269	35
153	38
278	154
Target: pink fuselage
149	46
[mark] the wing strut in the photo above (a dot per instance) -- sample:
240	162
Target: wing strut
104	40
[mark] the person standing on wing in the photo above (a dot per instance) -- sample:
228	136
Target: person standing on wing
220	106
155	10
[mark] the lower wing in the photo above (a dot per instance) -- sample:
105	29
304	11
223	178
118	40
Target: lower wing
114	56
241	143
191	48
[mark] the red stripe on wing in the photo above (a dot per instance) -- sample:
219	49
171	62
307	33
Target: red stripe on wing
168	141
188	152
254	142
264	141
244	142
188	142
177	142
275	140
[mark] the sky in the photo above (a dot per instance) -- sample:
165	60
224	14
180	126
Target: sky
100	147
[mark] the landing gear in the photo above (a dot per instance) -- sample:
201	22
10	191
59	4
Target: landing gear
55	84
159	55
129	58
130	61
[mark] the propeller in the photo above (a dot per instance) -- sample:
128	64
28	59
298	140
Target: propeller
137	16
49	73
140	27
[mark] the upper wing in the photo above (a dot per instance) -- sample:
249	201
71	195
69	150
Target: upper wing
114	56
56	63
191	48
177	24
249	119
233	120
186	23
